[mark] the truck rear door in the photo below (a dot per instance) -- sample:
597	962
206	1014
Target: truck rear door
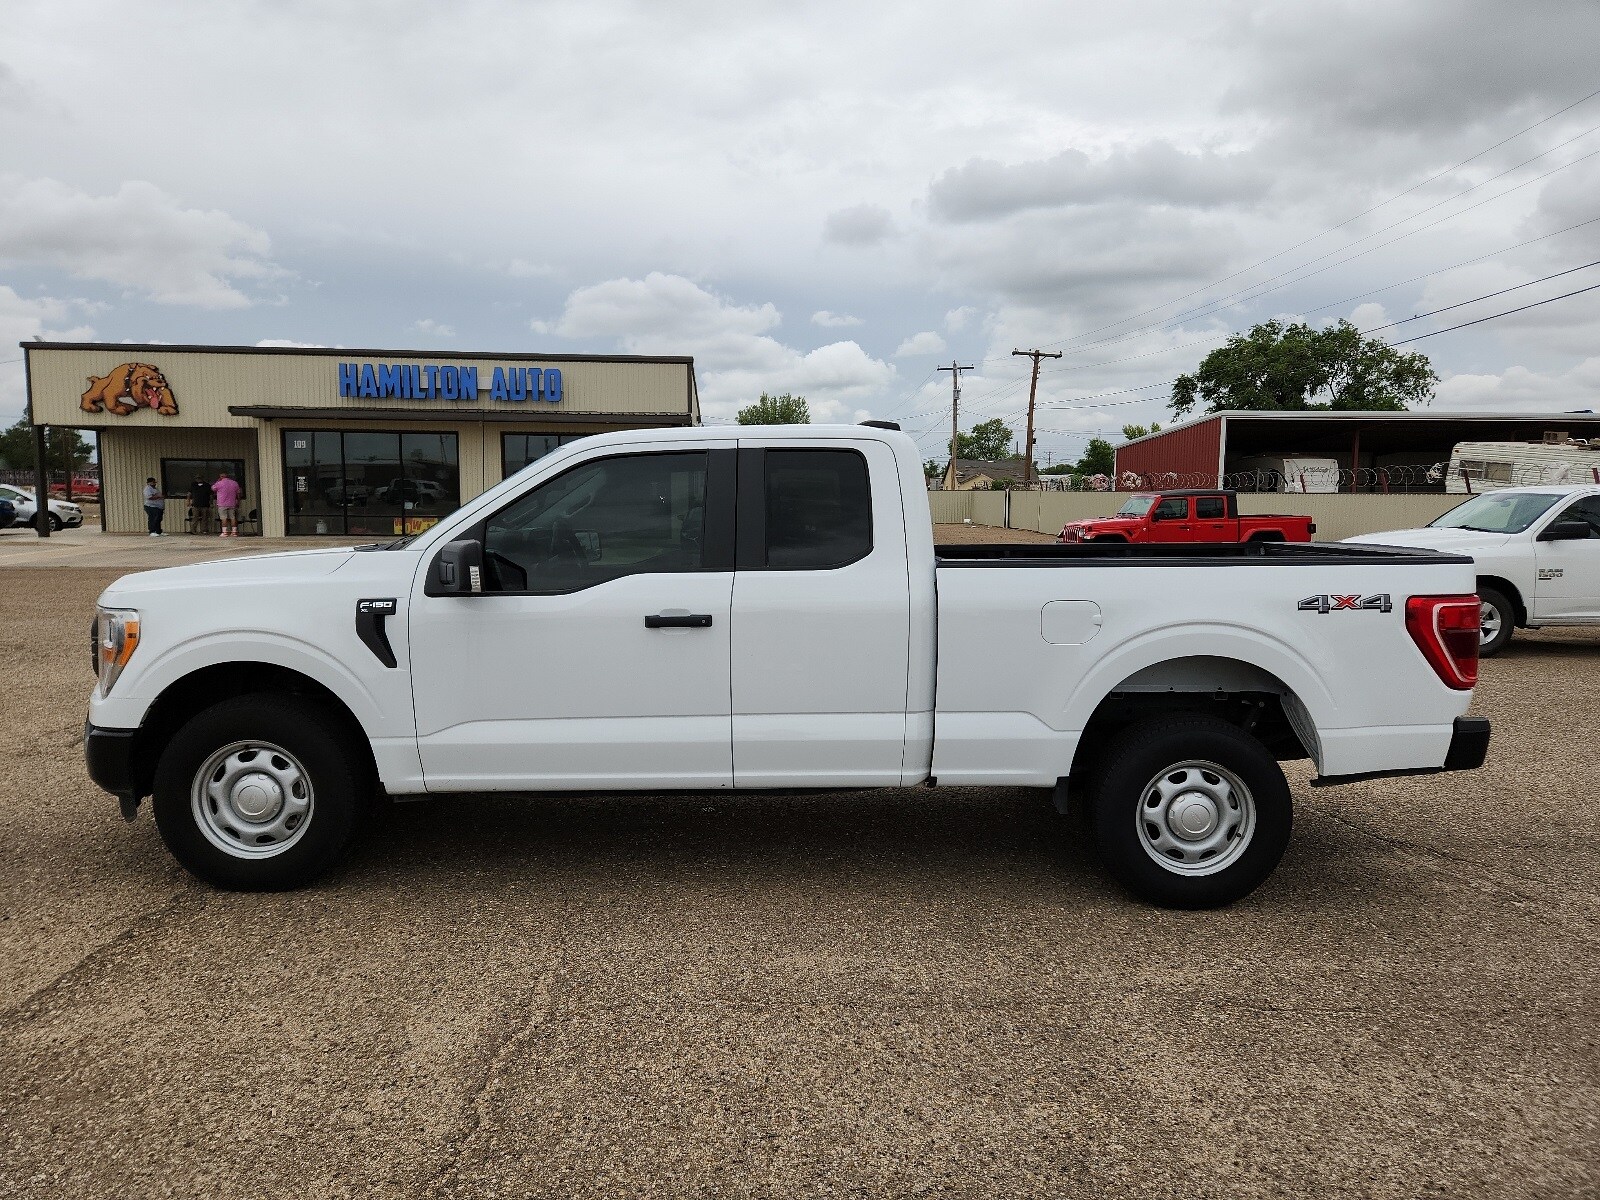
821	616
1211	520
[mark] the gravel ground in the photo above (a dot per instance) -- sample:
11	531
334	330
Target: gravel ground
875	994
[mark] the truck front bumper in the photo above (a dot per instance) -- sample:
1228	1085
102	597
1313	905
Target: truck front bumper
1469	745
109	756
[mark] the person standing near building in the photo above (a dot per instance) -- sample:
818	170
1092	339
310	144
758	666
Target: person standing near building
155	506
199	505
226	490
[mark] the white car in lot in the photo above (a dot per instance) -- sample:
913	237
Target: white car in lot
62	514
1537	551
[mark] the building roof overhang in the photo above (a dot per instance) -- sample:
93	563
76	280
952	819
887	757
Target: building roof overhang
495	416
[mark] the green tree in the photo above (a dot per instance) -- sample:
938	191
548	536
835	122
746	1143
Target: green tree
777	410
65	450
1099	458
932	468
988	441
1138	431
1293	368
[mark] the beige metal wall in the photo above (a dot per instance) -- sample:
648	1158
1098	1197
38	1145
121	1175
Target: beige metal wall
1336	516
206	383
130	456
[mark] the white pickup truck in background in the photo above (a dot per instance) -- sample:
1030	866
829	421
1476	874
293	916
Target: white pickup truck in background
765	609
1537	551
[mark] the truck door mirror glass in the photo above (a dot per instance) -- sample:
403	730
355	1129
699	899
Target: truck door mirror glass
1565	531
457	570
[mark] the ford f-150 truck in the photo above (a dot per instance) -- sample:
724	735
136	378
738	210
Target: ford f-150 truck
1537	551
765	609
1190	516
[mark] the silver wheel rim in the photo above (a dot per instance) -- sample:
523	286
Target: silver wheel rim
1195	818
1488	622
252	799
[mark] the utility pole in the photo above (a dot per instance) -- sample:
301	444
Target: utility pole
1033	392
955	368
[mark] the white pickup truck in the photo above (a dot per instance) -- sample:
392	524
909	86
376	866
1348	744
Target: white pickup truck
1537	551
764	609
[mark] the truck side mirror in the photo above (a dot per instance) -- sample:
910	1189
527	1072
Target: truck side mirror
1565	531
457	570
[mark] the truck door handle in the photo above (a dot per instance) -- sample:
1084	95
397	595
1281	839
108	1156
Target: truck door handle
678	621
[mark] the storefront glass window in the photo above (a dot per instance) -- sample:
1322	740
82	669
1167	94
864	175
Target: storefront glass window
369	484
517	450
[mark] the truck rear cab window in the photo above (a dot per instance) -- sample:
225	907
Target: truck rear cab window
1210	508
604	519
818	509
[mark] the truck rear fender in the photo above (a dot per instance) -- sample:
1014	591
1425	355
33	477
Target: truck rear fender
1232	673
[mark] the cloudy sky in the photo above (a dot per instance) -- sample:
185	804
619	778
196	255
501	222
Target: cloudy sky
824	198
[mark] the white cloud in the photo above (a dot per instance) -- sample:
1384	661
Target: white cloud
926	342
862	225
519	268
23	320
958	319
138	238
1518	389
289	344
830	320
431	328
735	359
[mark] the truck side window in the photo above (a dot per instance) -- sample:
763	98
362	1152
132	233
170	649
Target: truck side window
1210	508
601	520
1173	508
1587	509
818	509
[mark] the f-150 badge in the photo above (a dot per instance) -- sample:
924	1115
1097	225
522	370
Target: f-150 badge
1357	603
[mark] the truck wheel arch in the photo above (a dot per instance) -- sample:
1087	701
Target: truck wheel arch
1510	591
1266	535
1232	689
185	697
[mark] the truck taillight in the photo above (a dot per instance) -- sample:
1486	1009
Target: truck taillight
1445	629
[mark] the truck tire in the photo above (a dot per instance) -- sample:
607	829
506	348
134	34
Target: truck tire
1497	618
261	792
1191	812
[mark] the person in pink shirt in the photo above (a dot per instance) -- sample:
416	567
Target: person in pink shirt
226	490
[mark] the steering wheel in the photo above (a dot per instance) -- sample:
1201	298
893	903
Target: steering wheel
565	549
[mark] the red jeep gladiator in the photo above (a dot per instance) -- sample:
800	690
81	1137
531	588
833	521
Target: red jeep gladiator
1186	517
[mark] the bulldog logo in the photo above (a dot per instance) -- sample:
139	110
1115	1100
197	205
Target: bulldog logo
128	387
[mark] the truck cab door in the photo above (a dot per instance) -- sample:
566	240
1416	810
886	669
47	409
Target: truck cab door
1169	520
821	617
596	655
1567	587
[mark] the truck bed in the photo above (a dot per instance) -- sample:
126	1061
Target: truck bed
1188	554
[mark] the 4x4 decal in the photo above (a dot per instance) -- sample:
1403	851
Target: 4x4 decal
1356	603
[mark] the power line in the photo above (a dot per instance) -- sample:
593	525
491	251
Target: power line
1494	316
1488	296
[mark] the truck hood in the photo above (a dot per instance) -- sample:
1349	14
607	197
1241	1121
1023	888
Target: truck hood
1460	541
249	571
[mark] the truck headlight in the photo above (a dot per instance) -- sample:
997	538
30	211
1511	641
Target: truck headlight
118	639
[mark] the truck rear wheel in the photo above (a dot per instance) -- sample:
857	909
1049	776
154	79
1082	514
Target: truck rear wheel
260	793
1191	812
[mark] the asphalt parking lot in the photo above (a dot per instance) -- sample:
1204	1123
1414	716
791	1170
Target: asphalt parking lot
895	993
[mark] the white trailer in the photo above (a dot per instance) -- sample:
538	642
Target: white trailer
1489	466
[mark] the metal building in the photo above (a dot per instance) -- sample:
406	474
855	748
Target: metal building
1373	451
349	443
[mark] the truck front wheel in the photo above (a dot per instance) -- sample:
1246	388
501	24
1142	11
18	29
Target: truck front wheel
1191	812
1497	621
259	793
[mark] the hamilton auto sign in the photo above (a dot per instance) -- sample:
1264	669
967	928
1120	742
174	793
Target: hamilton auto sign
431	381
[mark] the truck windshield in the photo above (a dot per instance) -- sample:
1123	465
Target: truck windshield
1496	512
1136	506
